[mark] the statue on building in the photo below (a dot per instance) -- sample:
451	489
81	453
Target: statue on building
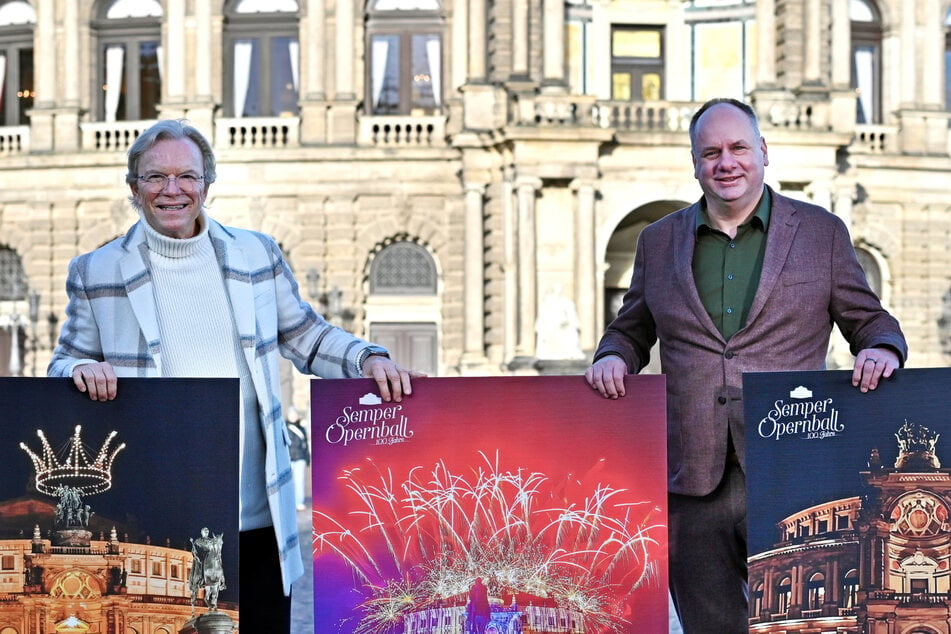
70	510
916	448
559	334
207	571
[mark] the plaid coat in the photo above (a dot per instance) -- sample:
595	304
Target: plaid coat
112	317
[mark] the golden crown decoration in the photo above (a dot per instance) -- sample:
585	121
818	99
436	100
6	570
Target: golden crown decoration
75	468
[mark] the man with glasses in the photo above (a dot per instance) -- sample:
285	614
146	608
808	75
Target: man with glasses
182	296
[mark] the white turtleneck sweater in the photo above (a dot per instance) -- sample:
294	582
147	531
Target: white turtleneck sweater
199	338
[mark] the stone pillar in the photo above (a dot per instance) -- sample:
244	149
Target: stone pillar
585	282
526	192
907	39
343	112
173	49
313	91
812	42
553	43
477	41
766	49
474	309
520	39
932	68
43	115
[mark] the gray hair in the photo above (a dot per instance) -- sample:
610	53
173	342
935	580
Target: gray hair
736	103
171	129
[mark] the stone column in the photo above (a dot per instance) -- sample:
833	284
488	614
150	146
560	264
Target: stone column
585	281
173	49
908	75
553	42
203	49
932	56
526	192
43	114
342	125
766	49
812	42
313	90
477	42
474	309
520	40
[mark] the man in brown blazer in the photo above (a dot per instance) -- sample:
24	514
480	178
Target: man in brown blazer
744	280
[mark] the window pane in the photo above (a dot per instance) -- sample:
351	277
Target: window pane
636	43
150	80
114	88
247	87
26	92
650	87
621	86
425	79
863	66
385	52
284	76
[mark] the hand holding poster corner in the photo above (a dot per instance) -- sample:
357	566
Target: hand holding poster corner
554	496
848	501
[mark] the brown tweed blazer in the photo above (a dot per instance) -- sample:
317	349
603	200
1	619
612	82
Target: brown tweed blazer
810	280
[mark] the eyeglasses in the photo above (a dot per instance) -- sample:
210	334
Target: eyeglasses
156	182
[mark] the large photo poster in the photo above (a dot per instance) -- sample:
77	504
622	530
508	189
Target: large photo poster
502	505
849	498
118	516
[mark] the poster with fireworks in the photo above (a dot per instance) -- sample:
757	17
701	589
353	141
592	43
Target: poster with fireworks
103	504
494	505
847	498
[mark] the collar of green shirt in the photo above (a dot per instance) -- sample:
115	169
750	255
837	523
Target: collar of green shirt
760	217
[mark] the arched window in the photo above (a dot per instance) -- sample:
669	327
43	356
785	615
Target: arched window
866	60
262	58
17	19
783	595
129	74
816	591
403	306
850	588
756	599
404	57
403	268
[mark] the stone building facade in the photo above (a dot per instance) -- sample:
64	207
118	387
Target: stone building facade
464	180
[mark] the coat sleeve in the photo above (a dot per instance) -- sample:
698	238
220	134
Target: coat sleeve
312	344
632	333
855	308
79	340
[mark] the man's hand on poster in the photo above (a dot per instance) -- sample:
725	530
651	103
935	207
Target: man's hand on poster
873	364
392	379
98	380
606	375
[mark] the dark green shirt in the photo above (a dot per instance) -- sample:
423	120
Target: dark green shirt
726	270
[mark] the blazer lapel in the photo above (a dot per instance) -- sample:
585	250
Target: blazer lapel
685	238
783	224
137	279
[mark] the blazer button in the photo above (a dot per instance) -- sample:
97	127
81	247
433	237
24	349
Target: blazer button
721	400
728	354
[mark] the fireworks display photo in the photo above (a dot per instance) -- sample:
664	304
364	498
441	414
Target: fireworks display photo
492	505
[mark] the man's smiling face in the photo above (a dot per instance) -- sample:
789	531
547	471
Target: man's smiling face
170	209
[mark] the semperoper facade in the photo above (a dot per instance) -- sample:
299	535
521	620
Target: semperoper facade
464	180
